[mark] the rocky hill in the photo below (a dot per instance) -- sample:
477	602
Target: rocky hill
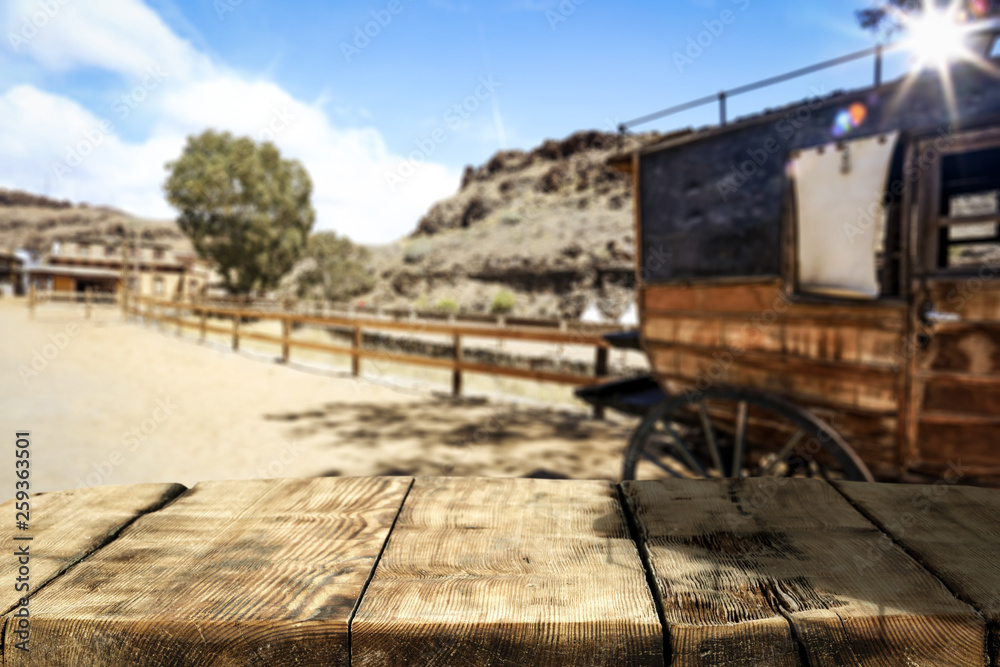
552	228
32	221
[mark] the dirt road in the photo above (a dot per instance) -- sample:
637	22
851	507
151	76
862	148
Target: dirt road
114	403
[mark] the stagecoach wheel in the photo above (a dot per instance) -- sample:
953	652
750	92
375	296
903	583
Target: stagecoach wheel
732	432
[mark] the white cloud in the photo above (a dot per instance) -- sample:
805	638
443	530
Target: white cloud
42	128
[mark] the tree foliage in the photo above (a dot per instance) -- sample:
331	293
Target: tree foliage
243	207
339	269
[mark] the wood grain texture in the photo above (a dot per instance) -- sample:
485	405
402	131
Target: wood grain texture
67	526
509	572
953	530
739	563
261	572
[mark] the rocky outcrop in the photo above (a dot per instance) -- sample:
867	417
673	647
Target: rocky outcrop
552	226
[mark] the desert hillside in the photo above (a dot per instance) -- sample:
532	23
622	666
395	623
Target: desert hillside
31	222
551	227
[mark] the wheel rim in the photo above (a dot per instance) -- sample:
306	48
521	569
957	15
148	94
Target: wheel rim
733	432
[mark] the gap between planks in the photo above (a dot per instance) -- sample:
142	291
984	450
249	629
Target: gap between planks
371	574
169	497
633	530
992	630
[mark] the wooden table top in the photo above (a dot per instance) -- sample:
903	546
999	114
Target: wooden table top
453	571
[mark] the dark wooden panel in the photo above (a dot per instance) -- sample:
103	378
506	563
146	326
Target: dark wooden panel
958	438
232	573
737	563
963	395
508	572
690	231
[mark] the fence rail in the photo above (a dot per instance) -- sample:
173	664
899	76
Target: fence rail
195	315
88	298
180	314
306	307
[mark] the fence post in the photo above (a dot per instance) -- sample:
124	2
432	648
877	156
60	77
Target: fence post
356	357
286	327
236	332
456	374
86	299
600	370
202	323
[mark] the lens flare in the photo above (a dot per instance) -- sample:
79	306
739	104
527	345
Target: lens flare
849	119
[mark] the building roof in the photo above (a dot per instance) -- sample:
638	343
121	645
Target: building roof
83	272
10	256
969	78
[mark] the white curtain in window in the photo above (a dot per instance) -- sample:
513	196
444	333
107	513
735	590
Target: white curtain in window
839	191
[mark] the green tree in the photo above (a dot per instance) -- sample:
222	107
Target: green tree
243	207
339	268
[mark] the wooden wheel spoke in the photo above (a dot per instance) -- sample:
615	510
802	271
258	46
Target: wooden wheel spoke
713	447
783	452
739	439
661	465
678	445
759	434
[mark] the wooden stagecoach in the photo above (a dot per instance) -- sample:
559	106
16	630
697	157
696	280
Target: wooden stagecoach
819	288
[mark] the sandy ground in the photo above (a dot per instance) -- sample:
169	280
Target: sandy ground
113	403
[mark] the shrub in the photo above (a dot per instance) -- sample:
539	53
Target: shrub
447	304
503	302
416	251
510	219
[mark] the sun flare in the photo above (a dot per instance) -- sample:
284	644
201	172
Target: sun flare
937	38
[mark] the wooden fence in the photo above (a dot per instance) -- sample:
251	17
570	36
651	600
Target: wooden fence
318	307
88	298
165	312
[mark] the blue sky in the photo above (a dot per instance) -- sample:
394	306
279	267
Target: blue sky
354	109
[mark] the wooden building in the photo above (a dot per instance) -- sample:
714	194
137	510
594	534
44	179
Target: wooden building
106	264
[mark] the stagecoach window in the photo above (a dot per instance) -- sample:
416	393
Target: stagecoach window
969	210
843	210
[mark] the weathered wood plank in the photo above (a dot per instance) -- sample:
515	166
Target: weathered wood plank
763	302
261	572
509	572
843	384
738	563
953	530
67	526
